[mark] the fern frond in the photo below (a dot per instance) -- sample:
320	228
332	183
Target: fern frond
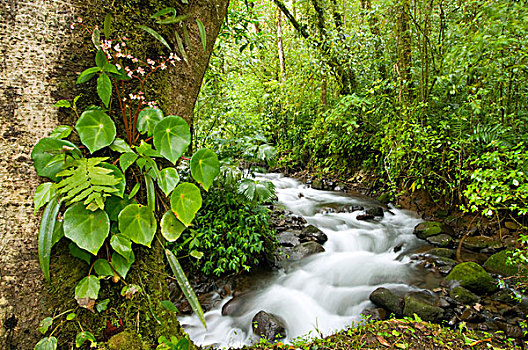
256	190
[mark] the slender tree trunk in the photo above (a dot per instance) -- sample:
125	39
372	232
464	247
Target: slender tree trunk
280	47
404	50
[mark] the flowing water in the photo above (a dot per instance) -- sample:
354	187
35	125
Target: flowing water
326	291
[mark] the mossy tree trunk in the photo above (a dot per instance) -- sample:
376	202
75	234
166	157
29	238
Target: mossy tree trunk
41	58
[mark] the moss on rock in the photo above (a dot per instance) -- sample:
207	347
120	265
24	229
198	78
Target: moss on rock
463	296
498	263
472	276
424	310
432	228
125	341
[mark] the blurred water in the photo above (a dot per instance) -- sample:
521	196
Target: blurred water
327	291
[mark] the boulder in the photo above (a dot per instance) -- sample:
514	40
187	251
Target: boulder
268	326
442	253
441	240
289	238
377	211
364	217
463	296
423	309
432	228
473	277
498	264
313	234
304	250
386	299
481	242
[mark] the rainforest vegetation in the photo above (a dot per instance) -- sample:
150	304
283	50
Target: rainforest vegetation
396	98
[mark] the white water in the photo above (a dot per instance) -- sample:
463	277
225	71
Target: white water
327	291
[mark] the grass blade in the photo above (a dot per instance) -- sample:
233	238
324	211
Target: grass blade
45	237
203	36
155	35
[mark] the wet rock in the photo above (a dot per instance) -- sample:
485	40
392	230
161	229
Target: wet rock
237	306
317	184
505	296
425	310
441	240
468	255
442	253
432	228
498	264
473	277
375	314
471	315
377	211
268	326
313	234
386	299
289	238
481	242
511	225
398	247
304	250
363	217
463	296
352	208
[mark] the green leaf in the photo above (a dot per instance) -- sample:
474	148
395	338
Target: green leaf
135	189
110	68
122	265
165	11
46	344
61	132
155	35
107	26
79	253
96	130
88	229
173	19
102	305
138	223
186	200
86	292
120	145
87	74
114	205
71	316
171	137
168	180
181	48
256	190
96	38
197	254
148	118
203	35
45	324
126	160
43	194
45	237
151	192
205	167
83	337
145	149
104	89
171	227
185	286
100	59
123	246
169	306
50	155
118	174
62	104
103	268
58	233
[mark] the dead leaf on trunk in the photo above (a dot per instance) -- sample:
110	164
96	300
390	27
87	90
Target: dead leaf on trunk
87	303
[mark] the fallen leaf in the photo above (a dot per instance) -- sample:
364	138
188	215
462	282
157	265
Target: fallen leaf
87	303
382	341
477	306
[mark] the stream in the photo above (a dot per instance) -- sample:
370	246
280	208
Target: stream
327	291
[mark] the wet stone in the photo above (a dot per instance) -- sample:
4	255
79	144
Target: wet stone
268	326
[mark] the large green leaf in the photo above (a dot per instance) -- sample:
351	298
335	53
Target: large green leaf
123	246
122	265
86	292
88	229
205	167
186	200
50	155
104	88
168	180
96	129
138	223
171	227
46	344
148	118
114	205
45	238
126	160
171	137
185	286
43	194
118	174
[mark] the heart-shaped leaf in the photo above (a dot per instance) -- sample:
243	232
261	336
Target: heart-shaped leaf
46	344
148	118
43	194
171	227
171	137
168	180
45	324
50	155
186	200
122	265
114	205
88	229
104	89
83	337
205	167
61	132
103	268
86	292
126	160
138	223
123	246
96	129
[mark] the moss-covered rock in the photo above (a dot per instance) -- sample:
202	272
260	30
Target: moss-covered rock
443	240
425	311
498	263
481	242
388	300
432	228
442	253
463	296
473	277
125	341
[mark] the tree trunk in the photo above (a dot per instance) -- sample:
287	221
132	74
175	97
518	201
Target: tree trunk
280	48
39	63
404	50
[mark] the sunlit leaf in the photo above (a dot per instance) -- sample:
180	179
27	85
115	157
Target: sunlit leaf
46	344
168	180
61	132
86	292
50	155
96	129
186	200
148	118
43	194
171	137
205	167
171	227
123	246
87	229
138	223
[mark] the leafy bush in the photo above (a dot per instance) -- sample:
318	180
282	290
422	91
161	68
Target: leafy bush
232	233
